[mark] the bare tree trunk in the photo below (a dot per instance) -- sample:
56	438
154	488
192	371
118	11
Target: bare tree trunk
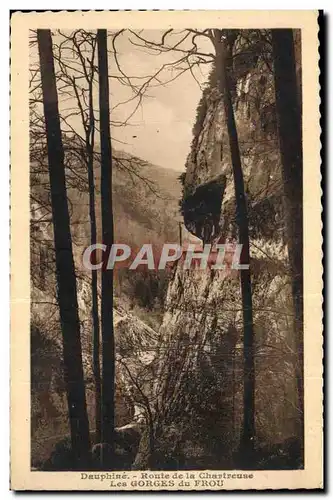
151	438
290	136
248	432
65	271
108	348
90	143
94	293
88	70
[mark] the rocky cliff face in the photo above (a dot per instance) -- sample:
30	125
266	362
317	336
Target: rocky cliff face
201	367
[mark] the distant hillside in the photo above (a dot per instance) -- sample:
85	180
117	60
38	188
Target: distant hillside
146	211
145	204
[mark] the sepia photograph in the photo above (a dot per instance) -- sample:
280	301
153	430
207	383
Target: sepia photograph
166	253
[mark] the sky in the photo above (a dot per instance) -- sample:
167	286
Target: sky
161	129
163	124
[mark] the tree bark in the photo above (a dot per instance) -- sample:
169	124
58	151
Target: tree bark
65	271
88	69
248	431
108	348
289	119
90	144
94	294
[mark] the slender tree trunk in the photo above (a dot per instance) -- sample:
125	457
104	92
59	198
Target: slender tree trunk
90	144
151	439
65	271
248	432
94	293
89	127
108	348
290	135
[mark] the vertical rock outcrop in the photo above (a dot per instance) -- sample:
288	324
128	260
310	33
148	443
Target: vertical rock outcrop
200	373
